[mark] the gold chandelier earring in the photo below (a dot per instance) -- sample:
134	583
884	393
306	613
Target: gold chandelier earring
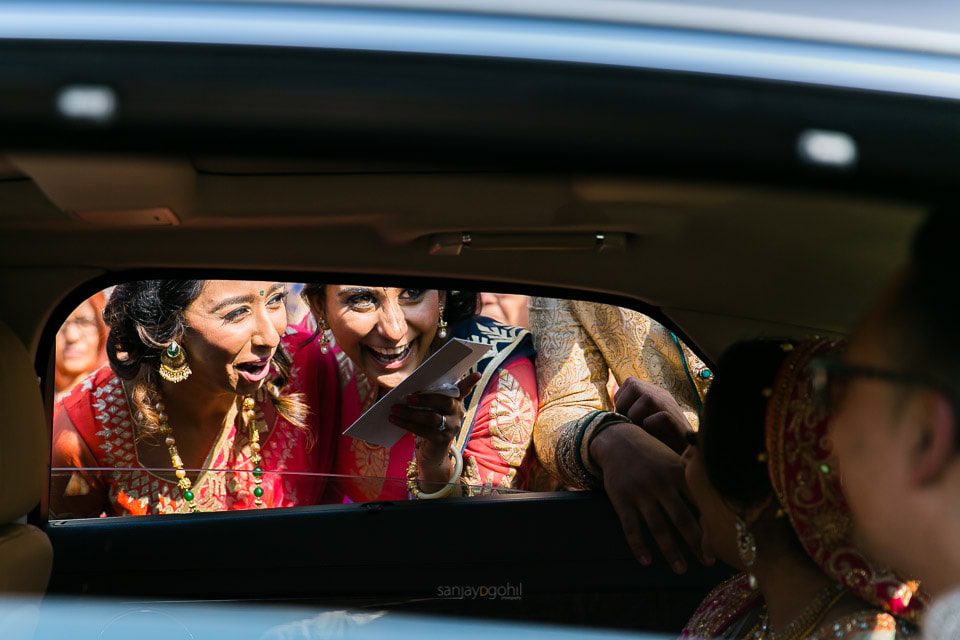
746	549
442	325
324	341
173	364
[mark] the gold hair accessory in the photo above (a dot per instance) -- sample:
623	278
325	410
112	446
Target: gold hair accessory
766	392
762	458
442	325
173	364
787	347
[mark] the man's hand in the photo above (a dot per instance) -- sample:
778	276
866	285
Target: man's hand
644	481
654	409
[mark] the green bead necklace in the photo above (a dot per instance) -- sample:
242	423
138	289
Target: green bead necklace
252	418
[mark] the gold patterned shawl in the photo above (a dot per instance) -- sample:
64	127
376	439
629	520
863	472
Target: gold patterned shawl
578	344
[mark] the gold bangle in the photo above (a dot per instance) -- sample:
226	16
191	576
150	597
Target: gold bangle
413	477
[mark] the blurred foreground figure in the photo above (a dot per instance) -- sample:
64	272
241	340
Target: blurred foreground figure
895	434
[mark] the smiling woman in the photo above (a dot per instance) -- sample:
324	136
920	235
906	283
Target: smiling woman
475	439
196	411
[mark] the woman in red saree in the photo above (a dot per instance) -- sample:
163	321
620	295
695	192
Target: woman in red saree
761	473
382	334
197	410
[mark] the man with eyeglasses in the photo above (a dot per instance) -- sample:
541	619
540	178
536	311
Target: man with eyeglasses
895	432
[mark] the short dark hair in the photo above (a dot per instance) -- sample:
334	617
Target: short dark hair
925	332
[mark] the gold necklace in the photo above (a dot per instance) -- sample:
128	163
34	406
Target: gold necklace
801	626
252	418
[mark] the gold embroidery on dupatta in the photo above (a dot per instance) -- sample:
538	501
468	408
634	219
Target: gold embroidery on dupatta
495	335
511	419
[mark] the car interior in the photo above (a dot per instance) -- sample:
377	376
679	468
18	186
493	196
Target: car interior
585	183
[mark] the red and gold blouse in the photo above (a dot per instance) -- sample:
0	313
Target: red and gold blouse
494	437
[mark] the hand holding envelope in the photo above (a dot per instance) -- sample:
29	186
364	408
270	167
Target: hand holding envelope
440	383
429	404
435	415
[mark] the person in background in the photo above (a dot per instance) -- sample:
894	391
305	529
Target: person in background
506	308
81	345
634	456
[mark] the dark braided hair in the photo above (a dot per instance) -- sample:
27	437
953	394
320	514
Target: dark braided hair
144	317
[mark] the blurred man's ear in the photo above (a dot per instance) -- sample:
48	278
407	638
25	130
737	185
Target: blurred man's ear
934	443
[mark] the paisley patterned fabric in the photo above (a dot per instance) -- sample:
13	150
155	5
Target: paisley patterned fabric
578	345
807	484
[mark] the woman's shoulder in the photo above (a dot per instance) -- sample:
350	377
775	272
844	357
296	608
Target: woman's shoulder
92	389
96	410
866	625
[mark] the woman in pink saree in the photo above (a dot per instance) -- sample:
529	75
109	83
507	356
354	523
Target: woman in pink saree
474	443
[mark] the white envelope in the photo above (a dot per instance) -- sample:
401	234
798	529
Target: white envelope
447	365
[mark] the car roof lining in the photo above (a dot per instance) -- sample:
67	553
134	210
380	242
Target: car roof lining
722	260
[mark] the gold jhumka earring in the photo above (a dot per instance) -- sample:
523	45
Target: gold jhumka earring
324	341
442	325
173	364
746	549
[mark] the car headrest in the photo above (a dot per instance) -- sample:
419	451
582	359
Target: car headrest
23	439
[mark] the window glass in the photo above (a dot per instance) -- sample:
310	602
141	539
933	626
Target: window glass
212	395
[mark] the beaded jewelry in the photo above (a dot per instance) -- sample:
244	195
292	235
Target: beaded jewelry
252	418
